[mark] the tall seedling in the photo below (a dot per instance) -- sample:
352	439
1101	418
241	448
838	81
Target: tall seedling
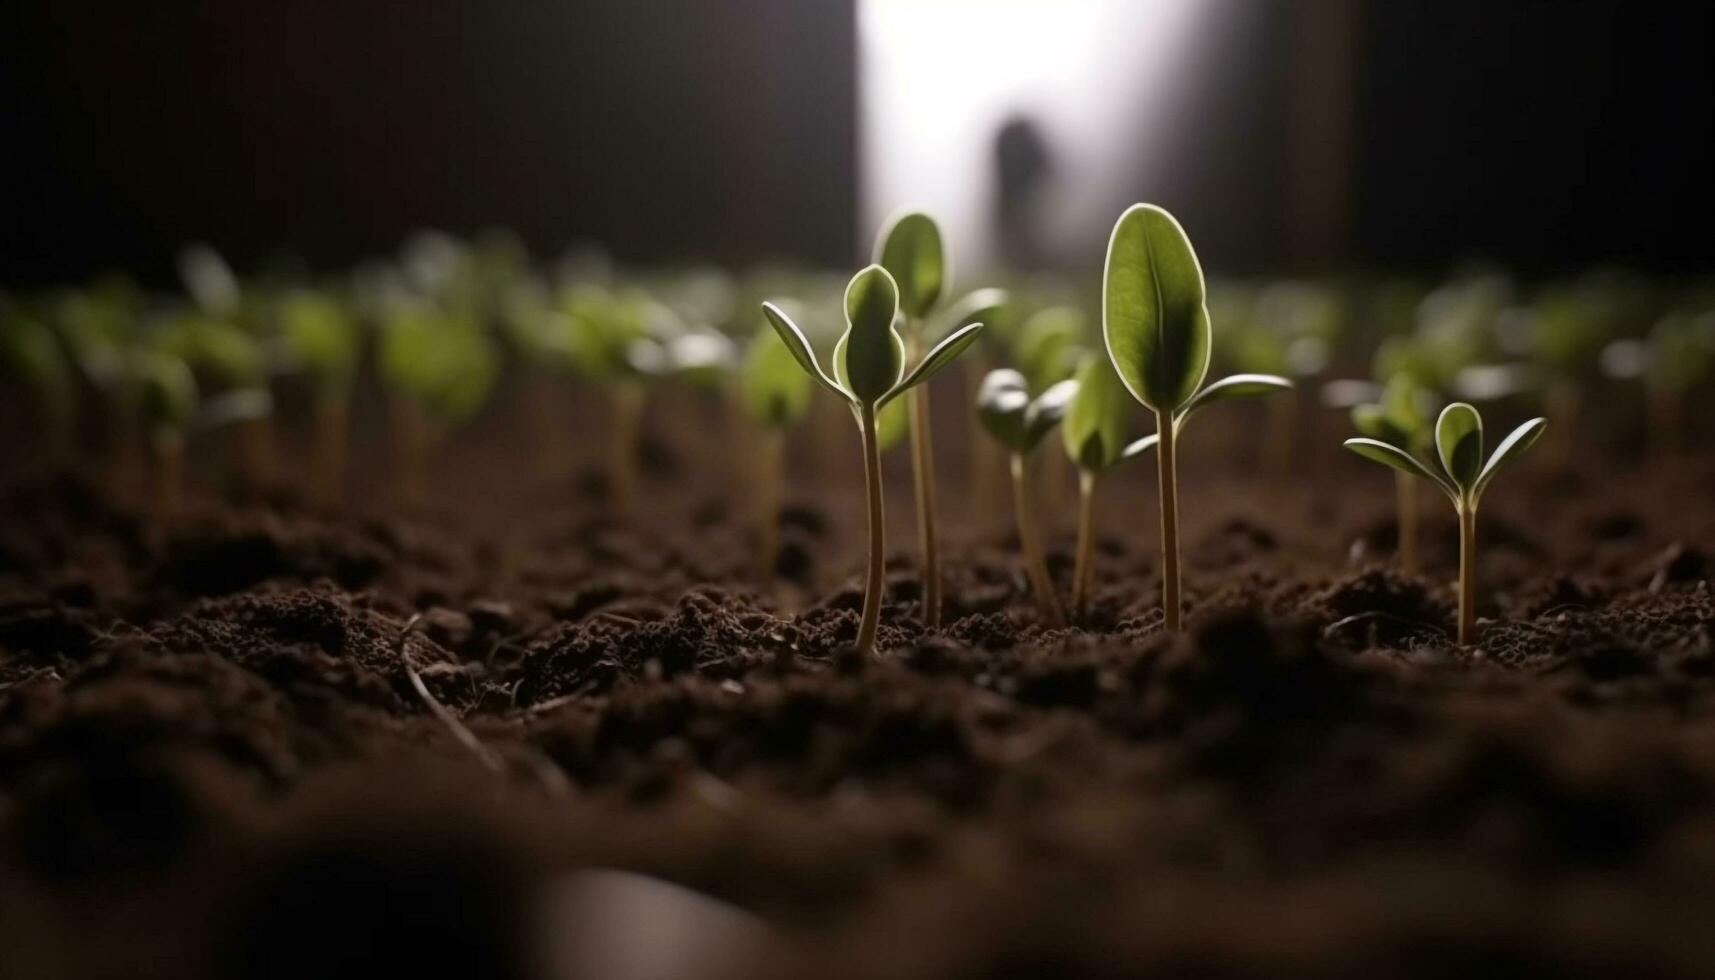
1156	327
168	396
1402	418
869	373
1462	476
1020	423
776	397
325	344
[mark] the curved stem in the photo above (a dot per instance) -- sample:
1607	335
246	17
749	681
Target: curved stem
1082	565
877	565
923	477
1467	573
1034	565
1405	489
1169	487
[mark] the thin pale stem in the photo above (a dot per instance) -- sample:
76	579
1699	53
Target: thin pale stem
766	494
1467	573
332	409
980	460
1405	491
169	493
1082	566
410	446
1031	543
923	479
874	576
1169	487
626	431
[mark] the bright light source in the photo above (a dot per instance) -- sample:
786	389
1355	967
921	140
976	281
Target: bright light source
940	77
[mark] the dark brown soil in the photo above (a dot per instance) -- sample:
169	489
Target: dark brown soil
213	761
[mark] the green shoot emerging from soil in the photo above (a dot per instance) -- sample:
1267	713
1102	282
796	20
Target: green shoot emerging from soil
910	250
168	396
1156	326
439	369
776	397
869	373
1463	476
1402	418
324	341
1020	423
30	354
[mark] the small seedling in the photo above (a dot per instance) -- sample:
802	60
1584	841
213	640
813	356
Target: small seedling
324	342
30	353
869	373
1020	423
910	249
1676	356
1286	329
1158	335
1094	434
168	397
439	369
776	398
1462	476
236	362
1402	418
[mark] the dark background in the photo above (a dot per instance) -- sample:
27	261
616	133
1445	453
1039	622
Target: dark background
1544	135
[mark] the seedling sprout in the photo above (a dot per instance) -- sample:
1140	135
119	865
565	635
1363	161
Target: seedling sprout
1402	418
324	342
869	373
1158	336
1462	476
168	395
1020	423
776	398
439	369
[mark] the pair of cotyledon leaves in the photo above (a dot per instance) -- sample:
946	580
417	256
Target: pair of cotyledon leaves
1155	323
1018	421
869	359
1464	475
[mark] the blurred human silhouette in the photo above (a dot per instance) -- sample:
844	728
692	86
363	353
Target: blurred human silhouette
1023	167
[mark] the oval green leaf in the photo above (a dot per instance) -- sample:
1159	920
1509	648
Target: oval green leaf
910	250
939	356
1002	402
1459	442
1094	428
1399	459
1154	320
1047	411
799	346
1516	442
1234	386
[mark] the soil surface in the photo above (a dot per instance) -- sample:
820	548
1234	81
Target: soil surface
215	762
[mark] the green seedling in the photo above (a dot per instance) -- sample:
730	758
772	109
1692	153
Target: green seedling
167	395
910	249
776	398
1676	356
605	329
439	369
869	373
1020	423
220	351
1463	476
1402	417
1158	336
323	341
30	353
1094	434
1286	329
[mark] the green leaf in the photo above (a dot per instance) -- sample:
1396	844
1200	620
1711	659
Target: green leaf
776	391
322	337
892	422
1049	345
985	306
1094	428
1516	442
1459	441
1140	446
910	250
799	347
1046	412
168	390
1375	423
939	356
1153	315
873	354
1399	459
1234	386
1002	401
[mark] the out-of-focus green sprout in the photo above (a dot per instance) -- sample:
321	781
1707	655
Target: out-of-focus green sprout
1402	418
1049	345
29	353
776	398
1020	423
1675	357
911	250
1287	329
1159	338
1463	476
1094	434
167	395
869	373
100	328
605	330
439	369
323	341
220	351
